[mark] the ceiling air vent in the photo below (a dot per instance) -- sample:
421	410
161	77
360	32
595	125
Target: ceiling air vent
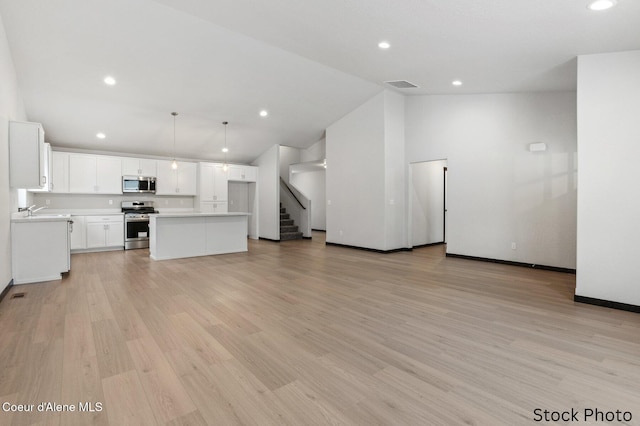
401	84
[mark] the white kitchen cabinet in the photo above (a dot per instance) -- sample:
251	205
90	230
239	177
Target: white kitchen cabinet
213	182
47	184
181	181
104	231
40	249
78	238
95	174
242	173
26	155
139	167
59	172
214	207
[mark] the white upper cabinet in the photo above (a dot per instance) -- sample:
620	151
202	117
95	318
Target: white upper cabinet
26	155
181	181
95	174
48	171
139	167
60	172
241	173
213	182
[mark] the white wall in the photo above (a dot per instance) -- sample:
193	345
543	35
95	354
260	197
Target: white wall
427	202
11	108
269	193
313	185
609	177
355	177
395	172
288	156
498	191
317	151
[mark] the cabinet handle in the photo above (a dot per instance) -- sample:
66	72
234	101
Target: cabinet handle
177	189
242	177
215	197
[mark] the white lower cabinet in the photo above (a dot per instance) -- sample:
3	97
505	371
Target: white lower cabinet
105	231
78	239
214	207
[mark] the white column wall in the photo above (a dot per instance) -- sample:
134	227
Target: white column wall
11	108
269	193
355	147
395	172
499	192
609	177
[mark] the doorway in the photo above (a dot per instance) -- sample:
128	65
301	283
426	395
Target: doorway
428	200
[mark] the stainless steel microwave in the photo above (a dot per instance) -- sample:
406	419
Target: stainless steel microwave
138	184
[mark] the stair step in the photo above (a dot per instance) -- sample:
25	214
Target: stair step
289	228
283	210
285	215
286	236
286	222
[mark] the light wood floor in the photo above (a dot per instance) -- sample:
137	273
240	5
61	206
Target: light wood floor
302	334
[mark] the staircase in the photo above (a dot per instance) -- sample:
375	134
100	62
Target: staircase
288	231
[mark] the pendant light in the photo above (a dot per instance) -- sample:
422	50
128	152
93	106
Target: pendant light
174	163
225	166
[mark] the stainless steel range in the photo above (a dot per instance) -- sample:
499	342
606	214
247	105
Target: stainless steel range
136	223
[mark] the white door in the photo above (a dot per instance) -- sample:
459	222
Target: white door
115	234
108	175
60	172
206	182
166	178
221	183
82	173
187	178
96	234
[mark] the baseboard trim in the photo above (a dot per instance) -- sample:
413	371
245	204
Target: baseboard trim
512	263
320	230
269	239
607	303
369	249
6	290
306	238
441	243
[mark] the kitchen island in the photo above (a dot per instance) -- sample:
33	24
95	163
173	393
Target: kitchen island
178	235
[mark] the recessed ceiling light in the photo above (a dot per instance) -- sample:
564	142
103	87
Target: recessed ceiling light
100	135
456	83
601	4
264	113
225	149
109	80
384	45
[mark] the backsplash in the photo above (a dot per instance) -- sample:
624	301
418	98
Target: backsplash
82	202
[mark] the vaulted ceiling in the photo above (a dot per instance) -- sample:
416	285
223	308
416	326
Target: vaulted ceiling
306	63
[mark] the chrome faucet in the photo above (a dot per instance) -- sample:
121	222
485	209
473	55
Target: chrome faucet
31	210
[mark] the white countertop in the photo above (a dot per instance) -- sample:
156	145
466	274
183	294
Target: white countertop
42	218
196	214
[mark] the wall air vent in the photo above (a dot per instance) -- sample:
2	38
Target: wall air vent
401	84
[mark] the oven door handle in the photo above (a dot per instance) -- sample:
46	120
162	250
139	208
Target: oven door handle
136	219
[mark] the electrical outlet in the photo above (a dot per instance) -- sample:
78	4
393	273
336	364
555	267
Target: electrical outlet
47	202
341	232
513	246
181	202
166	202
110	202
392	202
328	202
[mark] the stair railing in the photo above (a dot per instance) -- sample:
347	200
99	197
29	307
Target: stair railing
298	206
